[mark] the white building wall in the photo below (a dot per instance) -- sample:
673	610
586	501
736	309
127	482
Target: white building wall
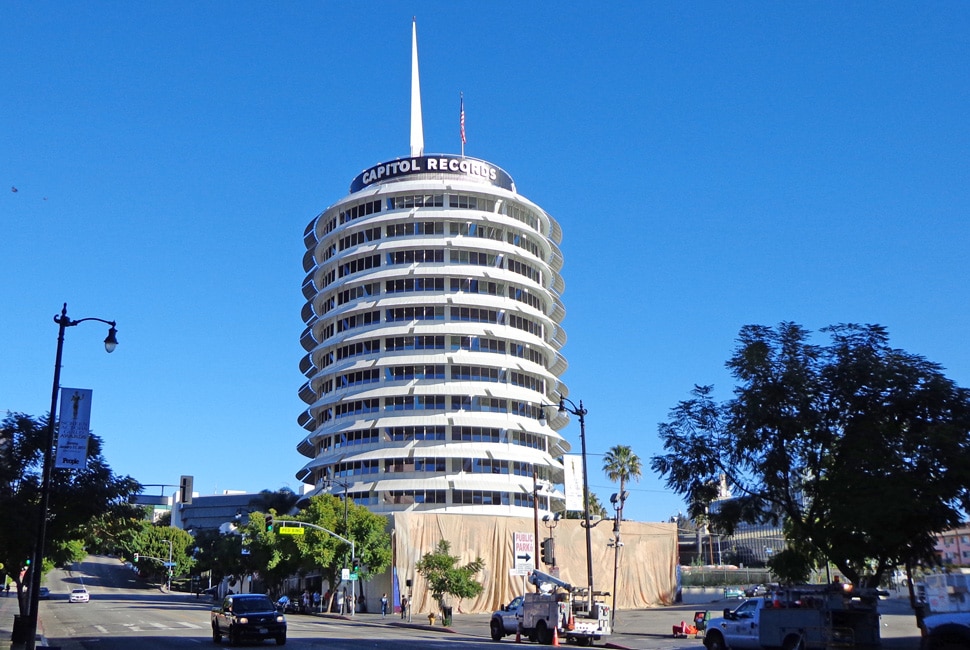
433	335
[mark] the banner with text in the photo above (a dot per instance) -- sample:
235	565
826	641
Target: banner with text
573	481
73	428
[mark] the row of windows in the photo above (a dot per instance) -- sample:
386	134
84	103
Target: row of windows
358	264
360	237
438	228
358	377
436	432
398	465
360	291
418	285
433	313
435	342
362	319
359	210
431	256
426	256
409	201
472	497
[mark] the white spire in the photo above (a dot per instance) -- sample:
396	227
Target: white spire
417	124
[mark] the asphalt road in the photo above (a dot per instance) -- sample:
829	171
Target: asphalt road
125	613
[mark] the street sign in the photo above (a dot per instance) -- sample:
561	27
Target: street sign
292	530
524	549
345	574
168	563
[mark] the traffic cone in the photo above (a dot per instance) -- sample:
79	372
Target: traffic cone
555	636
518	634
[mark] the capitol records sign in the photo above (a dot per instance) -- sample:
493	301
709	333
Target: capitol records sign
447	165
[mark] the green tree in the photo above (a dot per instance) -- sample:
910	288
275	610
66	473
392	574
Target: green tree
861	450
77	496
320	551
153	546
622	465
444	577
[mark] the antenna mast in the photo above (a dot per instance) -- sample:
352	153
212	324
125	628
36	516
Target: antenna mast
417	124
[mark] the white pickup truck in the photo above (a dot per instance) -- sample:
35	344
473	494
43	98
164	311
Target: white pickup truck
807	618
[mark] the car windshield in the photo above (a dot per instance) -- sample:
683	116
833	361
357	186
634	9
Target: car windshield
79	591
244	605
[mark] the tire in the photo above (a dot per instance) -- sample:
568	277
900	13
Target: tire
495	627
216	637
543	633
714	641
794	642
281	640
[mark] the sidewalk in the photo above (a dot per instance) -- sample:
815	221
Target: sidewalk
8	609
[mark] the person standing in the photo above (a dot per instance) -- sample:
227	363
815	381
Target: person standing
404	607
384	605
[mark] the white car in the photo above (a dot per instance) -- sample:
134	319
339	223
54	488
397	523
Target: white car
80	596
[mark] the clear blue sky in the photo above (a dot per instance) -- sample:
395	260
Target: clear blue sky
712	165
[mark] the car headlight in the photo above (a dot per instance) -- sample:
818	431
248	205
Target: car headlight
281	619
243	620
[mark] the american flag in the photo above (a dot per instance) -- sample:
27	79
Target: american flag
461	118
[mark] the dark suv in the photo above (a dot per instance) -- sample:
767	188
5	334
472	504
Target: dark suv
248	616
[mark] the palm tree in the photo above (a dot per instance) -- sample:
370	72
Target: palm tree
621	464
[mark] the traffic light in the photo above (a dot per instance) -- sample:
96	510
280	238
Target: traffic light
549	551
136	558
185	490
355	565
269	523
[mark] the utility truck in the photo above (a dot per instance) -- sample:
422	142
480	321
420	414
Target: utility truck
944	617
563	611
809	617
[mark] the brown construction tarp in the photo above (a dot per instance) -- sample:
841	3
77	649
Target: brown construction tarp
647	560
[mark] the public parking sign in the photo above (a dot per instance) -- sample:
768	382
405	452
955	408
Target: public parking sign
525	553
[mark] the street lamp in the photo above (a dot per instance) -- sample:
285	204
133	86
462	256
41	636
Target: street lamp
170	566
328	484
110	343
580	412
617	499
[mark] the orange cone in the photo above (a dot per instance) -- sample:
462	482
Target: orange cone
555	636
518	634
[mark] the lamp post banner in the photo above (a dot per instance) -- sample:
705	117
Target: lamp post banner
573	481
73	428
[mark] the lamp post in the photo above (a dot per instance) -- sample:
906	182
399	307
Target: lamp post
353	584
617	500
580	412
110	343
168	586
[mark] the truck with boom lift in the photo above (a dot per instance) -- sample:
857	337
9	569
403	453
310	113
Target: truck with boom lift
557	610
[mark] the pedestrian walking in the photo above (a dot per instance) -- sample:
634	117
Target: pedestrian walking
404	607
384	605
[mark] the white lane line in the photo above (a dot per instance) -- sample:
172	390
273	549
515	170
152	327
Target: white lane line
190	625
102	629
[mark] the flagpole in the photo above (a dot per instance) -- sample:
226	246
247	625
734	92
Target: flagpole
461	121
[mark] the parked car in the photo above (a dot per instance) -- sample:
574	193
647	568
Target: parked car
755	590
733	592
44	593
80	595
